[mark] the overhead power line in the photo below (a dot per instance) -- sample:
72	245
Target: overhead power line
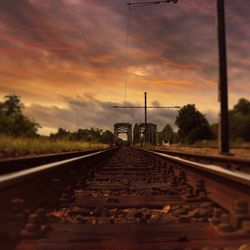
151	2
145	107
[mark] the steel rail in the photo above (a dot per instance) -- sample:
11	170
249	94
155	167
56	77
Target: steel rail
40	185
223	186
20	163
14	178
53	185
234	163
237	176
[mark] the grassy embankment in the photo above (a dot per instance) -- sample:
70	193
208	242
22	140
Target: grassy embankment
214	144
238	148
12	147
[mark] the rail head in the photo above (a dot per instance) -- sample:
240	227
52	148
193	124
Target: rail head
14	178
21	163
212	169
219	158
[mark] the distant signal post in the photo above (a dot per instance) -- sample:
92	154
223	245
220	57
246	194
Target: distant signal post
145	107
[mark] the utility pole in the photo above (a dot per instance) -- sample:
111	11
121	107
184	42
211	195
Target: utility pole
223	88
223	81
146	117
77	113
145	107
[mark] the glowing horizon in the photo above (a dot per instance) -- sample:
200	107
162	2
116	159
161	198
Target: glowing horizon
64	55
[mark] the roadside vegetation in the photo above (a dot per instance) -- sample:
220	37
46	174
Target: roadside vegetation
236	151
195	131
21	146
19	134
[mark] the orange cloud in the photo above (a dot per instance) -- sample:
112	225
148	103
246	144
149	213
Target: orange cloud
50	49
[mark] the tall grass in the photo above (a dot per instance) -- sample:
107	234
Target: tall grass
238	143
11	146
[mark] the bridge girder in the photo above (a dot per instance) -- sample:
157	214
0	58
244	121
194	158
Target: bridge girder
123	128
139	129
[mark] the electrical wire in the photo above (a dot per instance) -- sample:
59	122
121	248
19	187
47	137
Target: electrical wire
126	57
146	3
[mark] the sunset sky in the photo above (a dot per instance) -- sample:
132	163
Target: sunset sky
67	59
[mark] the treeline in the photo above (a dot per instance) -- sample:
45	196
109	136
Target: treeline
193	125
14	123
239	118
87	135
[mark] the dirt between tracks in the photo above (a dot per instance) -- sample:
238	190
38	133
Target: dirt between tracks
167	215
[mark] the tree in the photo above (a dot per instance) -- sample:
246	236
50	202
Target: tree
61	134
107	137
239	118
12	120
242	107
87	135
80	134
12	105
167	134
192	124
95	134
214	128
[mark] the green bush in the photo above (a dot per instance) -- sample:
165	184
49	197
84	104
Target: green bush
12	120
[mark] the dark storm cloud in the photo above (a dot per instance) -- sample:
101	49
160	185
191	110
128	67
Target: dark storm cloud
52	27
89	112
86	33
53	47
26	23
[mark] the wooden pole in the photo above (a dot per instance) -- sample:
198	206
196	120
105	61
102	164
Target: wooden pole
223	88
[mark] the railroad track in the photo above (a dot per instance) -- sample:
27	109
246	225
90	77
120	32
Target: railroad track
22	163
126	199
228	162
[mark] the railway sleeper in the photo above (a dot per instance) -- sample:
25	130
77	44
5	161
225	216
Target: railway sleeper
143	202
